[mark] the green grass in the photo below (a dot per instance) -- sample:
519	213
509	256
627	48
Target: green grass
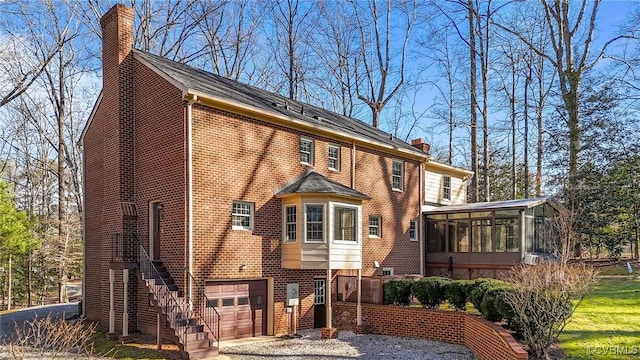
606	325
138	349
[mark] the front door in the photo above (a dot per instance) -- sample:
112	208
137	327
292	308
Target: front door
154	241
319	307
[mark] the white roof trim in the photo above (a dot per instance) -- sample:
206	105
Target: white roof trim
90	119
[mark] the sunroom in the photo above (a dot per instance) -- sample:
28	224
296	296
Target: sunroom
490	234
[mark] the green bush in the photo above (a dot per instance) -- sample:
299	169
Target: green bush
430	291
398	292
493	306
476	290
456	293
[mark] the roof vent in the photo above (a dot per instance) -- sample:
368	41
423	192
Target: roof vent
286	106
302	110
316	117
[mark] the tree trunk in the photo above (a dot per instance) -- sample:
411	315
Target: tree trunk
474	104
9	285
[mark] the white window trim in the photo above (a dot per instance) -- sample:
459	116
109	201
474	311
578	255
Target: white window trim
415	232
379	235
251	214
285	233
358	224
311	151
401	188
337	147
324	223
444	198
389	270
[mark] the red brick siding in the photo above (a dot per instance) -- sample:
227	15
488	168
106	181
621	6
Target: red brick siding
161	166
485	339
239	158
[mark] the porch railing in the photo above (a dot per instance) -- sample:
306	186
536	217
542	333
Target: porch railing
124	247
204	309
177	310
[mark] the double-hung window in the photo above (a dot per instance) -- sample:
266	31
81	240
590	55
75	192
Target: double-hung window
291	225
306	151
413	230
374	226
397	175
334	157
242	215
446	187
344	223
314	222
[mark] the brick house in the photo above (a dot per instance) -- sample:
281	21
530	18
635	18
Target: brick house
215	210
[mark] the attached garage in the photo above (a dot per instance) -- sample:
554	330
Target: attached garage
242	306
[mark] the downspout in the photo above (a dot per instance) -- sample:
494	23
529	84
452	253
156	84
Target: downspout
359	280
420	219
190	103
84	234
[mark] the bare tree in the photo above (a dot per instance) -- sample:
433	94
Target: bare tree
571	38
379	64
335	46
33	47
291	22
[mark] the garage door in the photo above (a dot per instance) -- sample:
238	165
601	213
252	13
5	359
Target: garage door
242	307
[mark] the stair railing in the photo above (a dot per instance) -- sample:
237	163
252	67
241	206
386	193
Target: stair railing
204	309
177	311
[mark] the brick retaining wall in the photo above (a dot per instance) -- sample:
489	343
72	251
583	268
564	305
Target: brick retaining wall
484	338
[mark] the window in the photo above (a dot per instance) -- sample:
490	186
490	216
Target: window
314	223
397	175
374	226
344	223
306	151
413	230
334	157
291	225
446	187
242	215
387	271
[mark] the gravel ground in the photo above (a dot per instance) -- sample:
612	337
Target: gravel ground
347	346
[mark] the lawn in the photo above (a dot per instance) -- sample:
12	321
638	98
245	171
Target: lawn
606	325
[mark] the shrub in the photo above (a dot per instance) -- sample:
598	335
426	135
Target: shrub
398	292
476	290
543	299
456	293
493	306
430	291
50	338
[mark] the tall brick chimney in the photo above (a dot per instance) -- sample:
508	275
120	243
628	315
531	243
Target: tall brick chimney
118	122
420	144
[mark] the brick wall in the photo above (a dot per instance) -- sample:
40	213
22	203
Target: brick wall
136	150
240	158
485	339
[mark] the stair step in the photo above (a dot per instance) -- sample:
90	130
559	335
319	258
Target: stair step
203	353
197	345
197	336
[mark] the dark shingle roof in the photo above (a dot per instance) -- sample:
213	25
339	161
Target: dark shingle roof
220	87
314	183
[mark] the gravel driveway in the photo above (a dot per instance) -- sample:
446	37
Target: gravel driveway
8	321
347	346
